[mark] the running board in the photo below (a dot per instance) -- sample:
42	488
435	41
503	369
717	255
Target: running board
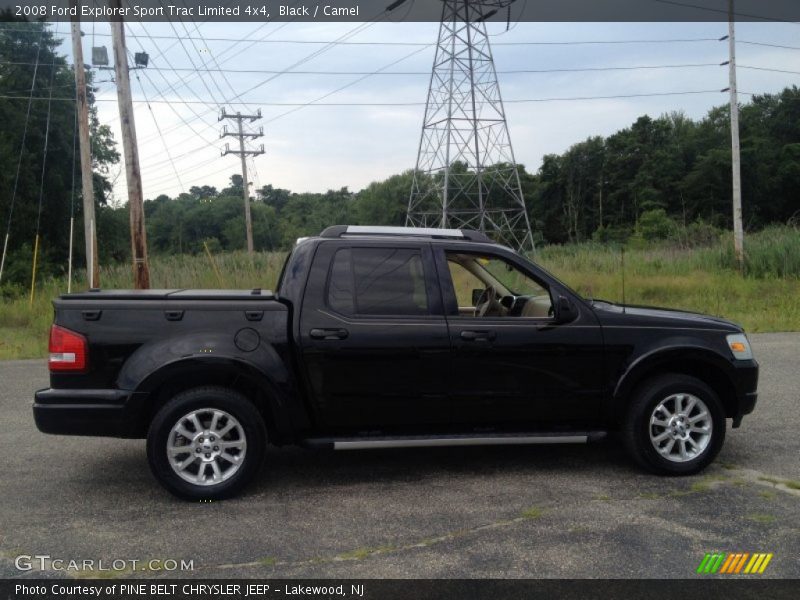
417	441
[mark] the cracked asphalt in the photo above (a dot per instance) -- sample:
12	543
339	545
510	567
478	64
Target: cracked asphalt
505	512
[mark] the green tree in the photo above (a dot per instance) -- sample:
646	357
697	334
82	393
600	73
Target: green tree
21	43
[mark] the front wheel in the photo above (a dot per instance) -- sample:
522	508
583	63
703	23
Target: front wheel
206	443
675	425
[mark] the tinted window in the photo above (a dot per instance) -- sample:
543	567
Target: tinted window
378	281
340	284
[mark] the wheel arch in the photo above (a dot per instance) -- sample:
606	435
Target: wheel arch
189	373
700	363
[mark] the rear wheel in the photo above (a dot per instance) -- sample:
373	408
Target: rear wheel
206	443
675	425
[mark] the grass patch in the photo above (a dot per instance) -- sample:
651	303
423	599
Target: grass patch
268	561
649	496
762	518
789	483
688	279
534	512
362	553
771	480
767	495
699	487
704	280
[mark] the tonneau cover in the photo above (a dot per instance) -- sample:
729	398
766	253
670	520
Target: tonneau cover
256	294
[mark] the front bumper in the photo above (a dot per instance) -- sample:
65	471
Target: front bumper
746	384
107	413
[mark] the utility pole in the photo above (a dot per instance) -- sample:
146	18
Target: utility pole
243	153
82	108
141	268
738	231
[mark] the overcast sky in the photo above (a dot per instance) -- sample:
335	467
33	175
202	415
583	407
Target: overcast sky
321	147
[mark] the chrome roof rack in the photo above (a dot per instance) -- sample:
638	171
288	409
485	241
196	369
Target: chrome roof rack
337	231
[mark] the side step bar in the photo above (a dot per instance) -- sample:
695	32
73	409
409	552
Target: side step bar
431	441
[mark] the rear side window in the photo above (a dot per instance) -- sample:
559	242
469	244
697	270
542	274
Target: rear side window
378	281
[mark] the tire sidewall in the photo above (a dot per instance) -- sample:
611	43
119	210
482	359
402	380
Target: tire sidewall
229	401
649	397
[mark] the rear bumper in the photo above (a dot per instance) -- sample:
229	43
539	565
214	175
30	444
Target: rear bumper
107	413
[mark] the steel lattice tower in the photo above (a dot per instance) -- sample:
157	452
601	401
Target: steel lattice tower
466	174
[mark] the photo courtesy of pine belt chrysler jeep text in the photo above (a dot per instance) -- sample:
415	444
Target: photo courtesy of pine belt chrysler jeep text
381	337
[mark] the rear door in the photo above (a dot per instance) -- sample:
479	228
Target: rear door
373	336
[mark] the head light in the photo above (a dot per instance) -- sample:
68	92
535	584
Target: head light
739	346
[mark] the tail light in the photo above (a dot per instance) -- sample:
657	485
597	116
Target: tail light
68	350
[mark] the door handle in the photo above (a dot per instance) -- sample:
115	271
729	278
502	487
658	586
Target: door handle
173	315
329	334
478	336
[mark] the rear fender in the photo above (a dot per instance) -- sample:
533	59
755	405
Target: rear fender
200	358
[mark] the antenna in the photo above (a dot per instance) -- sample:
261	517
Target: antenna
622	256
466	175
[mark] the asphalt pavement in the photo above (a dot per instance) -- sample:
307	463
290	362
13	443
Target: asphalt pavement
503	512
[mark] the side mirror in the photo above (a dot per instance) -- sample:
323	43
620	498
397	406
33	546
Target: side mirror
476	295
565	311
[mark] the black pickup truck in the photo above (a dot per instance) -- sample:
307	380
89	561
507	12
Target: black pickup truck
383	337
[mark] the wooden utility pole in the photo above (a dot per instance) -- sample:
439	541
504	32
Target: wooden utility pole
738	231
243	153
82	108
141	269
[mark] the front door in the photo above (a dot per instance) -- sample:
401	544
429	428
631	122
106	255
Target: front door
513	365
374	338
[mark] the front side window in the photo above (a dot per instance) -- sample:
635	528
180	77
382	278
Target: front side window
489	286
378	281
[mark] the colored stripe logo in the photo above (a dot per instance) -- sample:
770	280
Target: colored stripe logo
734	563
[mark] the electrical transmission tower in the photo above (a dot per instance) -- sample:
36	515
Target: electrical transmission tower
243	152
466	174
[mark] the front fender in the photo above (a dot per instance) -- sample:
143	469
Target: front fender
701	358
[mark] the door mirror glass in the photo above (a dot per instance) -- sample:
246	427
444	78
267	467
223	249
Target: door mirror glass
476	295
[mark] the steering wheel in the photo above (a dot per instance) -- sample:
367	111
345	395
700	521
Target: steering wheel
487	300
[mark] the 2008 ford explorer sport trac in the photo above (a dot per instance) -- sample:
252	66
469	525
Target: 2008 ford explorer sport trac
389	337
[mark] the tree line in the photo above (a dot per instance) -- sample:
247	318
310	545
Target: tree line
664	177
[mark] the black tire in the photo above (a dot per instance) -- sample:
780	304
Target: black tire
636	426
212	397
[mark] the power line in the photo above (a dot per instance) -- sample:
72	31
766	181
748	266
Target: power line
519	100
252	42
44	151
387	43
21	151
194	66
197	115
358	29
72	202
41	180
768	45
161	135
347	85
768	69
724	11
213	58
382	72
